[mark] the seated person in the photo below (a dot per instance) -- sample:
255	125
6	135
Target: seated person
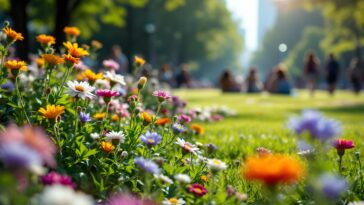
253	85
280	83
228	83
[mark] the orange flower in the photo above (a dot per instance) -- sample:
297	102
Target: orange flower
53	59
96	44
198	129
99	116
52	111
46	39
72	31
147	117
204	178
13	35
163	121
273	169
15	65
74	50
107	147
139	61
40	62
115	117
71	59
91	76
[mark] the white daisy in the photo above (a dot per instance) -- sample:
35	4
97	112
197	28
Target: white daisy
58	194
164	178
115	136
95	135
188	147
216	165
183	178
80	89
173	201
115	78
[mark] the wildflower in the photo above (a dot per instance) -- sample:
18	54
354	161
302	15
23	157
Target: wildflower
151	138
197	189
58	194
115	78
139	61
141	83
74	50
46	40
163	121
332	186
204	178
182	178
53	59
12	35
147	165
40	62
115	117
216	165
99	116
178	128
72	60
112	136
186	146
210	147
91	76
342	144
164	178
15	66
273	169
95	135
52	111
230	190
261	151
111	64
96	44
126	199
107	147
85	117
106	93
57	178
80	89
198	129
173	201
147	117
162	95
315	124
72	31
183	118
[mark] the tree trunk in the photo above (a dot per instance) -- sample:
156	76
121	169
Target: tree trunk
63	18
19	16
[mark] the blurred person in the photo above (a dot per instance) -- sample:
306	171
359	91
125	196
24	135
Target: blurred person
332	70
356	74
279	83
253	85
228	82
166	75
311	72
118	56
184	78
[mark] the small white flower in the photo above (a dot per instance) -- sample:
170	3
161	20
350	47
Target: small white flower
183	178
58	194
80	89
124	153
173	201
95	135
119	136
216	165
164	178
115	78
187	146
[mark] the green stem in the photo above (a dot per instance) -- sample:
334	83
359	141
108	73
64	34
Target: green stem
61	88
340	163
21	100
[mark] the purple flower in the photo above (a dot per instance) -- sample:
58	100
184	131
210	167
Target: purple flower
178	128
162	95
183	118
85	117
151	138
10	86
178	102
332	186
147	165
110	64
314	123
17	155
56	178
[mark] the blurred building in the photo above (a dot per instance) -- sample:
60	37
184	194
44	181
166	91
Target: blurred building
267	14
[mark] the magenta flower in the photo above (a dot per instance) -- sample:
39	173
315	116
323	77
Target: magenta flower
197	190
110	64
107	94
162	95
344	144
56	178
127	199
183	118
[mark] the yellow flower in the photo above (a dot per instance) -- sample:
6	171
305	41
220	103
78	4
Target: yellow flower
198	129
13	35
71	59
15	65
40	62
74	50
91	76
107	147
115	117
96	44
139	61
204	178
53	59
147	117
99	116
72	31
52	111
46	39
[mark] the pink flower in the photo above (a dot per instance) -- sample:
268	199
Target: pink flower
110	64
162	95
183	118
344	144
106	93
197	189
56	178
127	199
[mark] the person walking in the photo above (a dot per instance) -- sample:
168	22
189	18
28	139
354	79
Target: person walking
311	72
332	70
356	75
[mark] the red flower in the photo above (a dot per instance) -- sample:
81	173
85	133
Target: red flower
344	144
197	189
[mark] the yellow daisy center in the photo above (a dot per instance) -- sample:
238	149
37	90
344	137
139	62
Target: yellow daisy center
173	200
79	88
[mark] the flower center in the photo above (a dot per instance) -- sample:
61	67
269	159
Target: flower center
217	162
151	141
173	200
198	190
79	88
187	147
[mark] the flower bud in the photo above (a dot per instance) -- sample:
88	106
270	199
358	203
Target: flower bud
141	83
